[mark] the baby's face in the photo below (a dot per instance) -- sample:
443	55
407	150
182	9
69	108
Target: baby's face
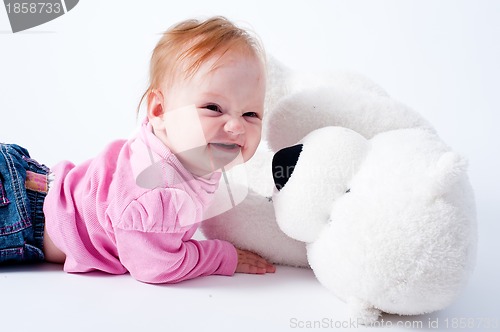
223	119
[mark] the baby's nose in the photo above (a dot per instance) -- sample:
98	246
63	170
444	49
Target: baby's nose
234	126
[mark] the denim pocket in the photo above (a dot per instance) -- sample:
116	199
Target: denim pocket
21	211
25	254
12	220
32	254
10	255
14	208
3	196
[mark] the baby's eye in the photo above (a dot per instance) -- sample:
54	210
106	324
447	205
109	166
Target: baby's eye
251	114
213	107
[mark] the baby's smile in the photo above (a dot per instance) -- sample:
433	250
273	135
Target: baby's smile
222	154
226	146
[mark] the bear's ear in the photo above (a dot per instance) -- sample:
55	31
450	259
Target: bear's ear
278	80
284	162
449	169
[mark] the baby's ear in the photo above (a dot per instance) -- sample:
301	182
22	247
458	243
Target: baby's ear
155	109
155	104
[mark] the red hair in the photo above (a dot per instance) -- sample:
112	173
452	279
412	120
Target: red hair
188	44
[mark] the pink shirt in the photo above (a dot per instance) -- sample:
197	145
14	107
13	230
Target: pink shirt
117	213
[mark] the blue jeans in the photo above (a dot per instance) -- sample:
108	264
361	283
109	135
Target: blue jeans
23	187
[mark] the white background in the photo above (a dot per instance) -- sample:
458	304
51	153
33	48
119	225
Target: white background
71	85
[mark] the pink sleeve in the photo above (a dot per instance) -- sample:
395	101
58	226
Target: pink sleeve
153	246
166	258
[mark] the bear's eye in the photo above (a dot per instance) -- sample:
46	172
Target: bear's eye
348	190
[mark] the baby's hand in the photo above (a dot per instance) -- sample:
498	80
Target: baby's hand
248	262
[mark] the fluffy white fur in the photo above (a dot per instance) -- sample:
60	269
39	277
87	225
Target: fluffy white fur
402	240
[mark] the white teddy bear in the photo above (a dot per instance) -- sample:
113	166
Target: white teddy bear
389	222
382	211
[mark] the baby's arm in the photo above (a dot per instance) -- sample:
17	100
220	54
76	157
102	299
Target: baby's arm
154	241
169	258
155	247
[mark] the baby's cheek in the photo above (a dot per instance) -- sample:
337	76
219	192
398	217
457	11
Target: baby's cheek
211	127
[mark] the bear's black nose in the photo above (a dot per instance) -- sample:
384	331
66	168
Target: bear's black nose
284	162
